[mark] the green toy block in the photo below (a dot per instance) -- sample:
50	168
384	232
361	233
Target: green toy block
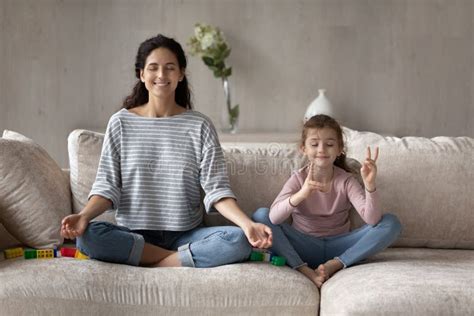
278	261
256	256
30	254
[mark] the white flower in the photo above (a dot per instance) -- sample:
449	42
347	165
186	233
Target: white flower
198	31
207	41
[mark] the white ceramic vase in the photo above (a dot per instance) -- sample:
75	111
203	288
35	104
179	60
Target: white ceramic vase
320	105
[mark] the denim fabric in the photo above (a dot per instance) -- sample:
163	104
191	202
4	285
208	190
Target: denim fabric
200	247
118	244
300	249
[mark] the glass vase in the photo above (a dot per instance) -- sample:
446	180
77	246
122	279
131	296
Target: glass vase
230	114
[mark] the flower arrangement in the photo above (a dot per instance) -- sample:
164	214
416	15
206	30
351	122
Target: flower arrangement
208	43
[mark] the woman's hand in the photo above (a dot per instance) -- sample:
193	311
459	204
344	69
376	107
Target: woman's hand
73	226
368	171
258	235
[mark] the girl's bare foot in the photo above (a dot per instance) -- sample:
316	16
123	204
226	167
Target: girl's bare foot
317	276
330	268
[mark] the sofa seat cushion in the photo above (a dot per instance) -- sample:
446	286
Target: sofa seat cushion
404	281
67	286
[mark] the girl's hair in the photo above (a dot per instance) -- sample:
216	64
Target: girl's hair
139	95
324	121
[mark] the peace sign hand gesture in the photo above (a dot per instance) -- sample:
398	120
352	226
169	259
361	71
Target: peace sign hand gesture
368	171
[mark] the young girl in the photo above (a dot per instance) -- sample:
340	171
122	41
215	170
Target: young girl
318	197
156	156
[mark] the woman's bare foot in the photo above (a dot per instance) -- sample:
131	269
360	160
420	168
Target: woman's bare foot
170	261
154	256
317	276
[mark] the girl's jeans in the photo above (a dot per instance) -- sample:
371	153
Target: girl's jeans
199	247
301	249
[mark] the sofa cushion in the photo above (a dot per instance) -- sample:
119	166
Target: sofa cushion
427	183
7	240
257	174
84	149
65	286
34	192
404	281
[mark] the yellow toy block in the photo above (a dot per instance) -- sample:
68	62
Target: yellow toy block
45	253
14	253
80	255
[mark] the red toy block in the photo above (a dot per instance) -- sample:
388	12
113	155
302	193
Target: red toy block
68	252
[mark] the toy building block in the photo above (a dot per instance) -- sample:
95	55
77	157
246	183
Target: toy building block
260	255
30	253
68	252
265	255
278	261
40	253
256	256
46	253
14	253
80	255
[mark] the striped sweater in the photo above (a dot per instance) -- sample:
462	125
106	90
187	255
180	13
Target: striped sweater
152	169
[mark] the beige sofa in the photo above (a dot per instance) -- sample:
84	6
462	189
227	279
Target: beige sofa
428	183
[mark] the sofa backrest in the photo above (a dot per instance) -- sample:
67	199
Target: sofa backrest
421	180
427	183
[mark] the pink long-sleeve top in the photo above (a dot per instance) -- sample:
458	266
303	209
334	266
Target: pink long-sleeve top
326	213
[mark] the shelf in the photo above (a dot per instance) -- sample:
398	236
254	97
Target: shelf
259	137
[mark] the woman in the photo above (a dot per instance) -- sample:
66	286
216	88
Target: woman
156	156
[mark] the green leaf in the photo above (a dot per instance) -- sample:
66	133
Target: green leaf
227	72
208	61
218	73
234	112
226	53
220	65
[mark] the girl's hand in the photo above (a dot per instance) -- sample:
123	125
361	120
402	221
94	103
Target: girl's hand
308	187
310	184
368	171
259	235
73	226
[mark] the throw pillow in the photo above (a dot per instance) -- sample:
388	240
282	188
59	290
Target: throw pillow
34	192
84	148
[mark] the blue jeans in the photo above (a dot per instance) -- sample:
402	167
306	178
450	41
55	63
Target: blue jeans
200	247
301	249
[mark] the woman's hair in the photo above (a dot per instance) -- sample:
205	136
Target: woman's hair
324	121
139	95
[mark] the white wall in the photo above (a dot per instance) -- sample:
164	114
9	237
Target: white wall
402	67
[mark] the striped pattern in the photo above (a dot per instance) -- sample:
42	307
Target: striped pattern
152	169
